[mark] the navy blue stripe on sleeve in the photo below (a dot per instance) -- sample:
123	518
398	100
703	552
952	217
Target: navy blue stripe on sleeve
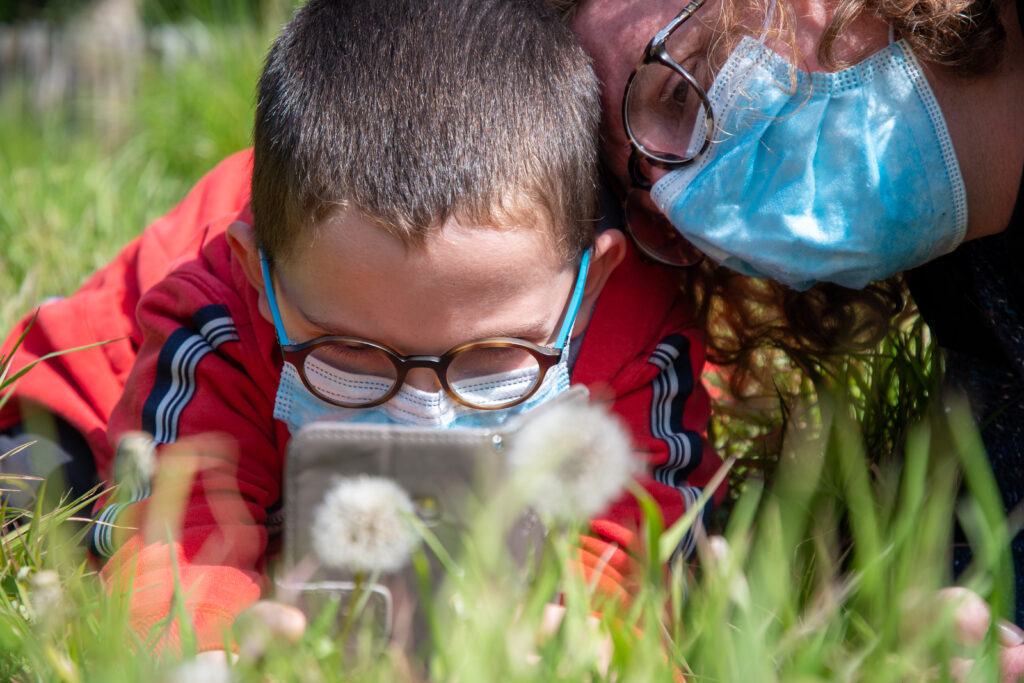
671	389
175	382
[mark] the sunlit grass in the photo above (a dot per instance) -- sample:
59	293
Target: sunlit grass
831	573
73	192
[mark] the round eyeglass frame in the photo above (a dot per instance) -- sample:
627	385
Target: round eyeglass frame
647	252
546	358
655	52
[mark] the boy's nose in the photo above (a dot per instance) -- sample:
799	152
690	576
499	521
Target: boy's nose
423	379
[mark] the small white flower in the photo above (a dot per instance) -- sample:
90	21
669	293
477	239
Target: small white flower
573	460
206	667
362	525
47	601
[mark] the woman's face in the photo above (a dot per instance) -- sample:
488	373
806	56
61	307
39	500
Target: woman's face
846	183
615	33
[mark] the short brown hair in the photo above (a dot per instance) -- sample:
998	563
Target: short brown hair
415	111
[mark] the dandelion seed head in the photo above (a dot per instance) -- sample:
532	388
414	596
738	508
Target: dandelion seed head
362	525
46	599
573	460
135	463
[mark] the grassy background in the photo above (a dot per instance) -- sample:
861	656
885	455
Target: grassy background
73	192
833	563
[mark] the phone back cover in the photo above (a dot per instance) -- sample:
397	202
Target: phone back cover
441	470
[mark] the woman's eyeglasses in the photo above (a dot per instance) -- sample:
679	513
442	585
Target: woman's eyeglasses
665	113
665	108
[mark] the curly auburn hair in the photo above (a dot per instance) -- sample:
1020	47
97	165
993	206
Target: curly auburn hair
963	34
744	316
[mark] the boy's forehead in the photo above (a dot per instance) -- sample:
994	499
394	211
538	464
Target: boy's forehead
354	269
460	238
463	282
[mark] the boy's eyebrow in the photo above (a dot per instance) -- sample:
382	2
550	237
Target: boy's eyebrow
315	321
530	331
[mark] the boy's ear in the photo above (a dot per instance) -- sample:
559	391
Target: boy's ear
609	250
242	240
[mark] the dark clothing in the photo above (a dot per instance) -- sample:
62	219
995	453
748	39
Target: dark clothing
973	301
62	457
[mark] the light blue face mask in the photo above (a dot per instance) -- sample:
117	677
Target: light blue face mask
843	177
296	406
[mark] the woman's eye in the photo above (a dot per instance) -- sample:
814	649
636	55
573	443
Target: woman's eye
674	93
680	91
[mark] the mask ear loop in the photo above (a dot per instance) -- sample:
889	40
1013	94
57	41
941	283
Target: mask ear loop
767	21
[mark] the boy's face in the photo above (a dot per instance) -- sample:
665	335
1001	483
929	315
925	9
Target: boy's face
463	284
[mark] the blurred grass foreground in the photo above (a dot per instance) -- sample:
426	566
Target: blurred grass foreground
837	539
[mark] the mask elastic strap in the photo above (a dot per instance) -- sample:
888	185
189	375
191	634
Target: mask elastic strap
574	302
767	21
268	285
892	33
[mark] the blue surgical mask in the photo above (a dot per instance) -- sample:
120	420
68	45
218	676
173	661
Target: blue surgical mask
843	177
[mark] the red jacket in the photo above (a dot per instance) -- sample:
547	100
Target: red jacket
195	357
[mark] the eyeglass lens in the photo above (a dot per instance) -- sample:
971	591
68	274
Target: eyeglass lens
491	376
483	377
351	374
655	236
663	107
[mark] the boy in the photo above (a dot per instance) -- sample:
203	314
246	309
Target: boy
422	177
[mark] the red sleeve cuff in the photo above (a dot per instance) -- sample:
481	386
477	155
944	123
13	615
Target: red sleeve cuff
214	595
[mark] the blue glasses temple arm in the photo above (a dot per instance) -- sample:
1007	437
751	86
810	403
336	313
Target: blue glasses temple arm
268	285
574	302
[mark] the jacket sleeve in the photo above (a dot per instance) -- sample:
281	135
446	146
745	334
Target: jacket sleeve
667	408
83	387
645	362
202	388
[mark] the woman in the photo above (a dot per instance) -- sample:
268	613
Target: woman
824	147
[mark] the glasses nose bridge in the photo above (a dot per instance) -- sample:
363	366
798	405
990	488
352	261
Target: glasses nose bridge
437	365
637	176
